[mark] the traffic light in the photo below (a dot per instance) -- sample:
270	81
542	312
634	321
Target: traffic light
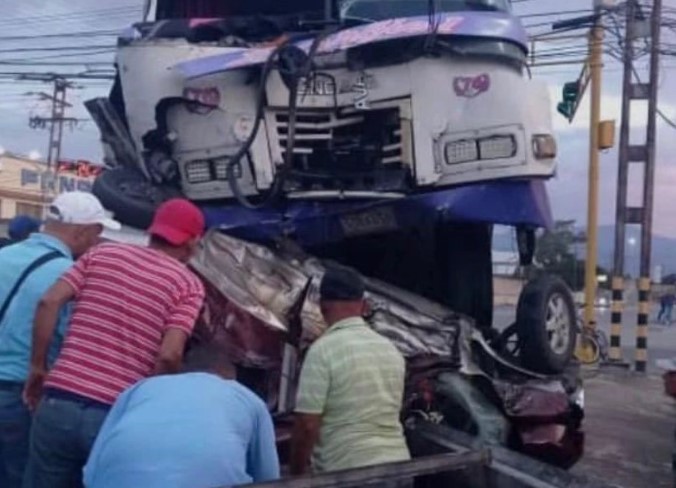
565	109
570	95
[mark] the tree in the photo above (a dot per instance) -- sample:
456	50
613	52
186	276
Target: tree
669	279
555	246
555	254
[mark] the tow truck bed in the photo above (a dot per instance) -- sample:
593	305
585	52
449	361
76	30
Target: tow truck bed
444	458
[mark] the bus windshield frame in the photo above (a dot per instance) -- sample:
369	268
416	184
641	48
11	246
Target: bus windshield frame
377	10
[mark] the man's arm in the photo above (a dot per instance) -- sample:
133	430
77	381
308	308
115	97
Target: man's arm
46	318
263	457
305	436
178	328
170	357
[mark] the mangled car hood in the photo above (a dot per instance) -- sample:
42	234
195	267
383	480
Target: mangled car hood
268	285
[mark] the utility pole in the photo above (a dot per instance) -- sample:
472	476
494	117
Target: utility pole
55	122
595	69
56	129
636	154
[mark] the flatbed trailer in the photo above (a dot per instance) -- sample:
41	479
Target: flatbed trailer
447	458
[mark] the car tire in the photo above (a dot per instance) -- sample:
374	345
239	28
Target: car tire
546	322
130	196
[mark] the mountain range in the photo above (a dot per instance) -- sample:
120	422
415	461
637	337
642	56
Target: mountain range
663	253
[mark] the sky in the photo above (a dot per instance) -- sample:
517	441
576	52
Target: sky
567	190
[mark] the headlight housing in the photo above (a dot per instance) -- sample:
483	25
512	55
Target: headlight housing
198	171
482	149
205	170
221	169
544	146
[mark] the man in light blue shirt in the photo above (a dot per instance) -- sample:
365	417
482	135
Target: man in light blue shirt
199	429
75	221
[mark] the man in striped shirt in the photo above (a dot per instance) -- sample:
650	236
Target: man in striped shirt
134	309
351	388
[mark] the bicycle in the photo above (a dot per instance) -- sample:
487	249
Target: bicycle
593	345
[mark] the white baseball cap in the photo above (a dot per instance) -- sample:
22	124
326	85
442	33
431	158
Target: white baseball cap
80	208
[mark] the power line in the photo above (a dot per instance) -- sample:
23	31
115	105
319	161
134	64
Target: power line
34	75
70	17
66	35
58	48
559	12
636	75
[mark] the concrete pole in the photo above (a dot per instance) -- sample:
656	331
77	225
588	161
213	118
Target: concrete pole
618	285
644	285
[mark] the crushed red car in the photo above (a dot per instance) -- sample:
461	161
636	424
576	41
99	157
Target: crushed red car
262	307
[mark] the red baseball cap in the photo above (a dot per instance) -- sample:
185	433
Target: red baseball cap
177	221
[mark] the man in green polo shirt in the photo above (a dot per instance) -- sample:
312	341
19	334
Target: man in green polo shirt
351	388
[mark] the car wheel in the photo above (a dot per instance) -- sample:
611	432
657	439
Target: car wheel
546	324
130	196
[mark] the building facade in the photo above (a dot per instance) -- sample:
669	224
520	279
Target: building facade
27	186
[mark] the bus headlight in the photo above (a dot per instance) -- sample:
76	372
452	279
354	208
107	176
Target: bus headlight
497	147
198	171
221	169
483	149
463	151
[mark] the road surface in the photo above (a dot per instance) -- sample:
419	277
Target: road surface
629	422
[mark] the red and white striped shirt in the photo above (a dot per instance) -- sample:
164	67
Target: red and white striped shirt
126	298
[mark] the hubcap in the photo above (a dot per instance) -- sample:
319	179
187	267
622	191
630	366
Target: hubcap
558	324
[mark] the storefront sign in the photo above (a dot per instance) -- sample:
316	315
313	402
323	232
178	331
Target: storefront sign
54	183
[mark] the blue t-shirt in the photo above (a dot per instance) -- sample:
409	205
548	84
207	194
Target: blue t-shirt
193	430
16	328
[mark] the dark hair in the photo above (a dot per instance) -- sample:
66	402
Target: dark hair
207	357
341	283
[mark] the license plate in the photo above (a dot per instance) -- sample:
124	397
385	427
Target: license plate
369	222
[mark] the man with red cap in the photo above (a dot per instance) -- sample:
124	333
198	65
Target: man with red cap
134	309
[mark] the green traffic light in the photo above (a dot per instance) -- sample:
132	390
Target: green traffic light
565	109
571	91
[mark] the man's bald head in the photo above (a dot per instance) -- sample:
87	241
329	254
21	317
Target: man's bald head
79	238
209	358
